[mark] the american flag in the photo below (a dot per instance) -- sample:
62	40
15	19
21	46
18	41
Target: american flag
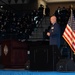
69	32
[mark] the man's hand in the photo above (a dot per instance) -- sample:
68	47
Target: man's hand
48	33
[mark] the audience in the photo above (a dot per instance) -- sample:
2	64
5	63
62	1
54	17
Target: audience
17	26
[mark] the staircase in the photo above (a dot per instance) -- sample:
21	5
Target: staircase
37	34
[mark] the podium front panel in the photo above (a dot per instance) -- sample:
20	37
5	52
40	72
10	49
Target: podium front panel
14	54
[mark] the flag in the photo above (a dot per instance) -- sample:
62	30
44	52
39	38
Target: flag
69	32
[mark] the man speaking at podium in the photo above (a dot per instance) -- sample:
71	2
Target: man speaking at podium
54	32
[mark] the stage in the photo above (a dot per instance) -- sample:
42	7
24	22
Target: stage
24	72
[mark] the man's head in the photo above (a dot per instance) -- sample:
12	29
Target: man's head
53	19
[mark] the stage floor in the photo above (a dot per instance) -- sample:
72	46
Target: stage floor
24	72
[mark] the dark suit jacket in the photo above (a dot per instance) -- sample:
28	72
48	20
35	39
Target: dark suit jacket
55	35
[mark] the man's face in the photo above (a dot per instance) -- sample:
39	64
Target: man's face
53	19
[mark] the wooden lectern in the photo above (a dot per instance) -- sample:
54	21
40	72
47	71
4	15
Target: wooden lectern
14	54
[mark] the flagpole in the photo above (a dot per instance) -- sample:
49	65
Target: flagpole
71	27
